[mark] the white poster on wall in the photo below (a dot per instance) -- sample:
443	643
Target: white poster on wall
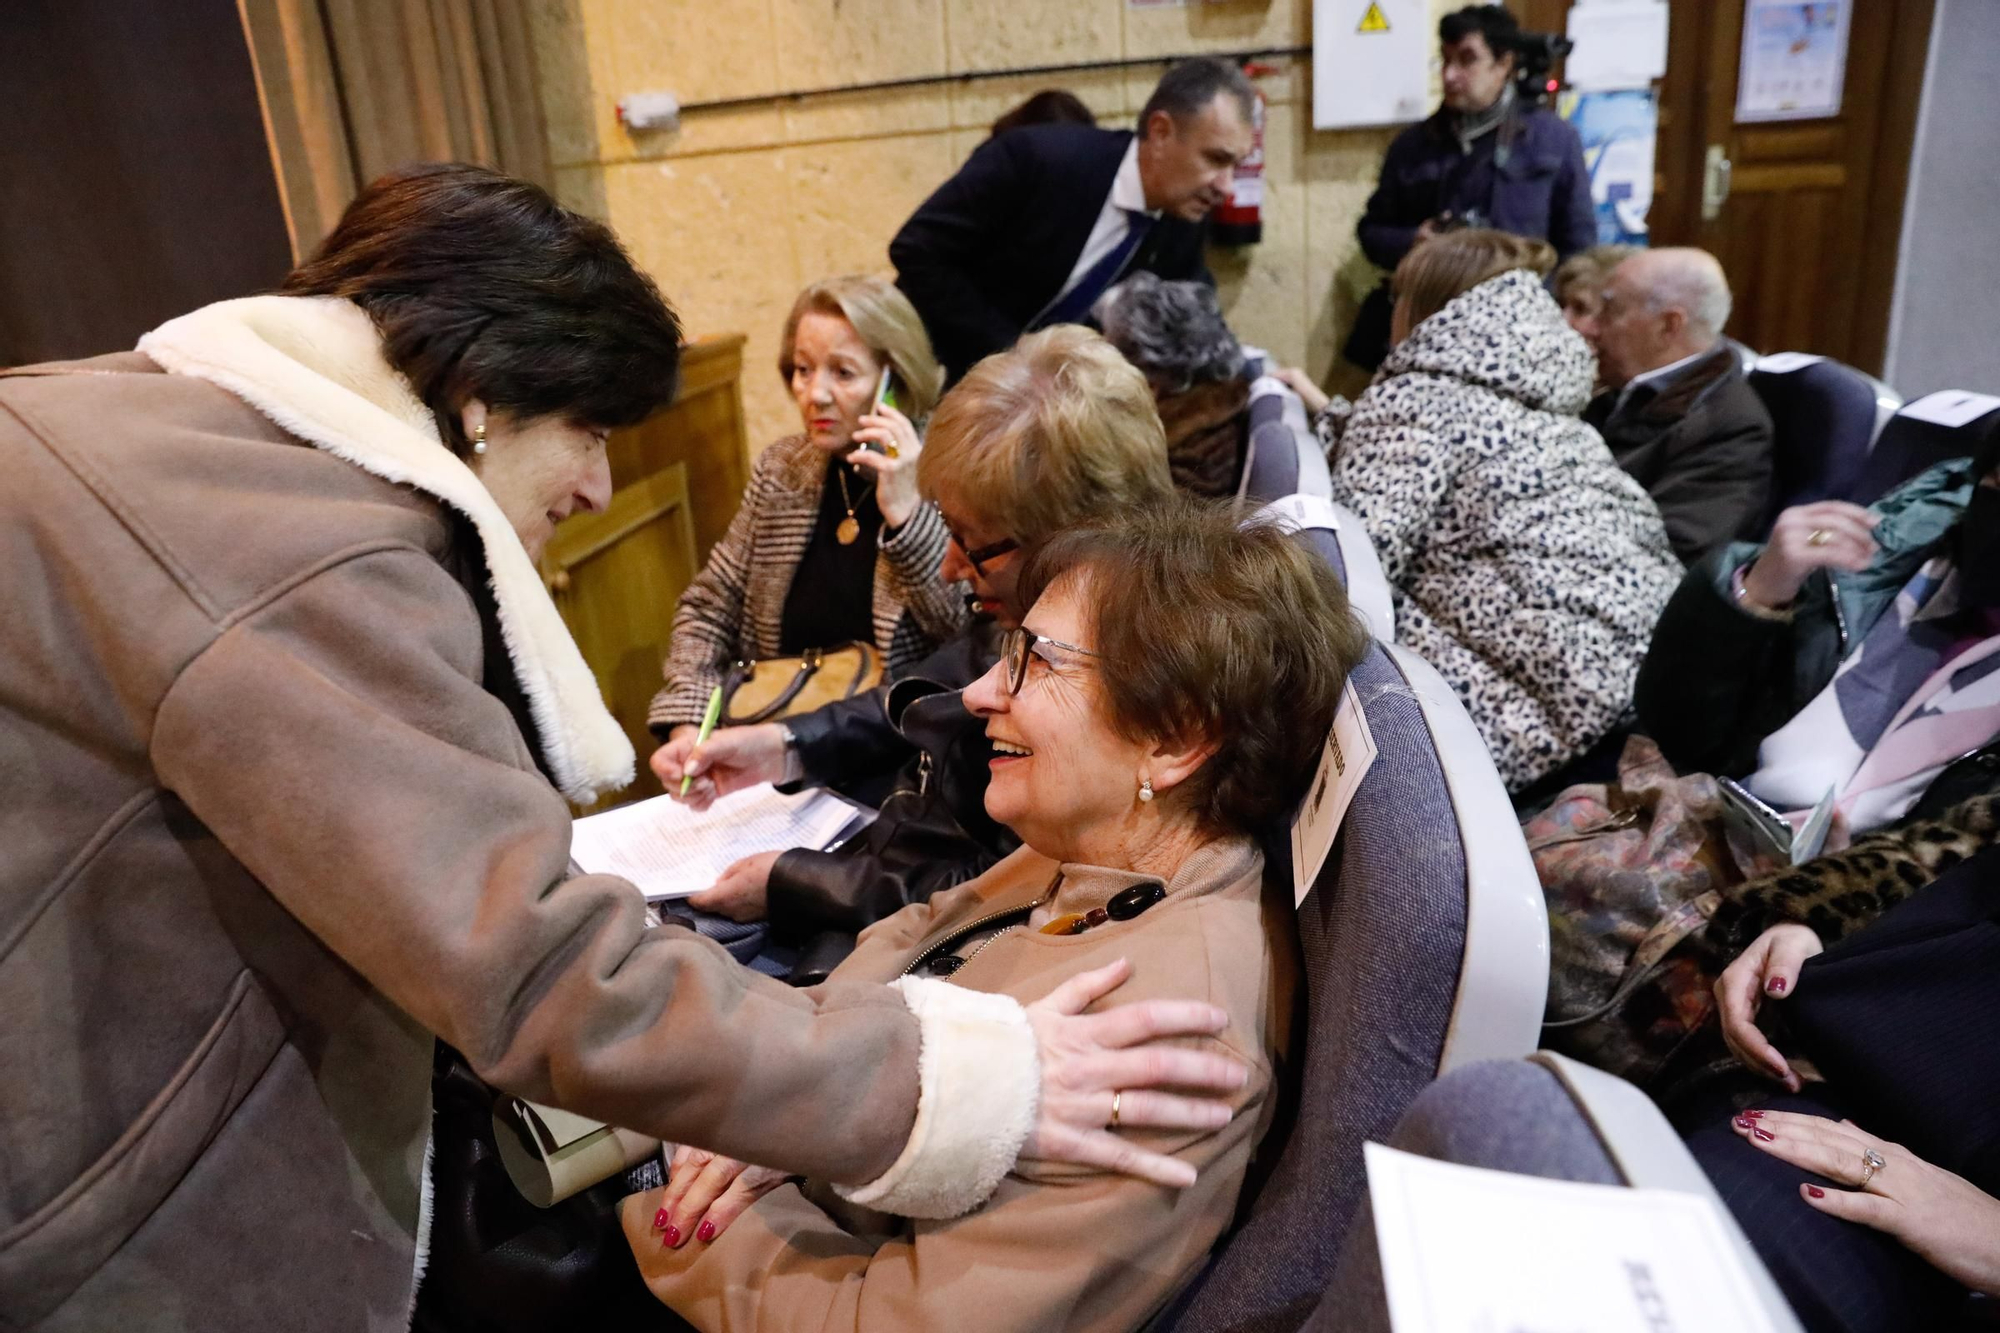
1794	60
1371	62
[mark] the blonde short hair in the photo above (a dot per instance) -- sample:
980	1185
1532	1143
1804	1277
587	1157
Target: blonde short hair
881	317
1454	262
1588	269
1057	430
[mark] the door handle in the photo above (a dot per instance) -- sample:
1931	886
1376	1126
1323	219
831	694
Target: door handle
1714	183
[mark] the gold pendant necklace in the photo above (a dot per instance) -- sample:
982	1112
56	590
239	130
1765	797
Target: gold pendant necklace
850	527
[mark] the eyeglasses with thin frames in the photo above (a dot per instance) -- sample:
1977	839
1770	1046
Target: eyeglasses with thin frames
1018	645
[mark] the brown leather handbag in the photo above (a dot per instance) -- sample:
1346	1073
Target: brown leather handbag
778	687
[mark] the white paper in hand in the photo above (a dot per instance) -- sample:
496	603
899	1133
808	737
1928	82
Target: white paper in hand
669	851
1350	750
1465	1250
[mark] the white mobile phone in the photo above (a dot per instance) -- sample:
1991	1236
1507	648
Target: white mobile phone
885	396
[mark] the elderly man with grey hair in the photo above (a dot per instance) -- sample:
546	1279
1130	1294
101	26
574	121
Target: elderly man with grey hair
1677	411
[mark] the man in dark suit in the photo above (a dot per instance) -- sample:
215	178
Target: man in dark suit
1041	220
1677	411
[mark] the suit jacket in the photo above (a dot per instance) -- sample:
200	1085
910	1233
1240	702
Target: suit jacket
993	246
1700	443
1057	1247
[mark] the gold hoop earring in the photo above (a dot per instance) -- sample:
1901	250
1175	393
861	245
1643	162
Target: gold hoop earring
479	438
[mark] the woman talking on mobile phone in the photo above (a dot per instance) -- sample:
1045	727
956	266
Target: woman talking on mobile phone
832	545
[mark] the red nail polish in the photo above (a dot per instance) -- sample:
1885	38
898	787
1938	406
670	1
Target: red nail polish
660	1220
1752	1115
1763	1134
1816	1191
706	1231
1776	985
1744	1122
672	1238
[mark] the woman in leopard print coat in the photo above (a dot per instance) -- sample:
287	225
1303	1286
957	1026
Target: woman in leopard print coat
1527	567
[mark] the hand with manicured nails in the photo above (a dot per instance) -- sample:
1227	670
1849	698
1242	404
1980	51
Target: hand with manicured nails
1942	1217
895	478
1769	968
742	892
1087	1059
1790	556
730	760
705	1192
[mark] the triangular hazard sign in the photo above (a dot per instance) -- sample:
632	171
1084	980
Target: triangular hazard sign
1373	21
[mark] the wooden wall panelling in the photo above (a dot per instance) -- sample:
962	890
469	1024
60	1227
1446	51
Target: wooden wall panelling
615	577
703	429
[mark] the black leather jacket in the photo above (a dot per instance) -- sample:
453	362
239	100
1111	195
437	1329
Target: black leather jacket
932	832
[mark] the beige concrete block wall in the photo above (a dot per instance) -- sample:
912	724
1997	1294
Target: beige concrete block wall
737	210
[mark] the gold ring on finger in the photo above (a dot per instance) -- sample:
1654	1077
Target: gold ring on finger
1871	1162
894	452
1116	1098
1818	537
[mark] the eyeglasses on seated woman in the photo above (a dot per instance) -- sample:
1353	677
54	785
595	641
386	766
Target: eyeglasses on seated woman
1138	752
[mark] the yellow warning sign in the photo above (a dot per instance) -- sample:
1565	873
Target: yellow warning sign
1373	21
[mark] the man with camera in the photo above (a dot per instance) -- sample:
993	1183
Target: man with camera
1491	156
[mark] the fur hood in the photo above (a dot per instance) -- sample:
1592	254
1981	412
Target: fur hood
314	366
1507	335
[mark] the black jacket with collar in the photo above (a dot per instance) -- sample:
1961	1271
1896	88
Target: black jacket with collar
1700	443
994	245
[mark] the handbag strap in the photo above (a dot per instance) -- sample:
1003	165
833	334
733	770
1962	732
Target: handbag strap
809	663
1651	954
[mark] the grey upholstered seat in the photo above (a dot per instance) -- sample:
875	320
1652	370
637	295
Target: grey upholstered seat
1335	534
1282	455
1425	946
1911	443
1825	417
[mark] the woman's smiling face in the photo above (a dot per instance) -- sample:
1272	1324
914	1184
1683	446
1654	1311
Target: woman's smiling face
1062	778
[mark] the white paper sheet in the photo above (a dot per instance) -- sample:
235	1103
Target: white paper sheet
1794	59
1619	44
670	852
1465	1250
1951	407
1350	751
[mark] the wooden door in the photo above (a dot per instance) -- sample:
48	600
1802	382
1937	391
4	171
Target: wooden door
1809	228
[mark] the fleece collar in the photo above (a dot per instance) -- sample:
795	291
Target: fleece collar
314	366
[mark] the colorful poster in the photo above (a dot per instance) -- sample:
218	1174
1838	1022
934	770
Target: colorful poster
1618	130
1794	60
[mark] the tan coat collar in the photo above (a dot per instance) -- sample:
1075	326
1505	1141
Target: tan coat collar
314	366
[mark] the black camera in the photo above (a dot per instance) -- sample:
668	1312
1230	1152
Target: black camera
1535	54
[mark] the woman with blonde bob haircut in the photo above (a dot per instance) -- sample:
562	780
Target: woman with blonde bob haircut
832	544
1527	567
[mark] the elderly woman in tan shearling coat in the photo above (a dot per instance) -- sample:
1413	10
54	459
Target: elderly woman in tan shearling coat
1138	746
286	722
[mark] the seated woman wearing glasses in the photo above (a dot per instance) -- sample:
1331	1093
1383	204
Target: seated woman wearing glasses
833	544
1138	750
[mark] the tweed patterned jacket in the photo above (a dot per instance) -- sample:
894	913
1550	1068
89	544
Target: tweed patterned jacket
1527	567
734	608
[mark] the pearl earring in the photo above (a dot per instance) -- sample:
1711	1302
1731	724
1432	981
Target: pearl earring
479	438
1145	789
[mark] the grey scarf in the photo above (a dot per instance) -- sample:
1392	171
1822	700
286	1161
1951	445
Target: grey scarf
1468	126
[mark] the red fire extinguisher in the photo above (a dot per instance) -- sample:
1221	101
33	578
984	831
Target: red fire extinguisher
1240	221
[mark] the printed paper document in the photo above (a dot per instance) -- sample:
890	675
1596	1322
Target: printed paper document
670	851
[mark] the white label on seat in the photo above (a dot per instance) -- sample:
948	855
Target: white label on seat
1784	363
1350	750
1951	407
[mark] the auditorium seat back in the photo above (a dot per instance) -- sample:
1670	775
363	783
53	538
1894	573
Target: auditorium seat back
1282	456
1425	942
1825	417
1335	534
1951	423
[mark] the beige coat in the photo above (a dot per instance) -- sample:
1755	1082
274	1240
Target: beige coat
268	828
1056	1247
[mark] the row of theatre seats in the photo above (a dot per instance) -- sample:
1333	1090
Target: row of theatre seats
1425	934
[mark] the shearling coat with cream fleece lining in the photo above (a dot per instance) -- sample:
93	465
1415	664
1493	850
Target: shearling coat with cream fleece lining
269	826
1527	567
1055	1247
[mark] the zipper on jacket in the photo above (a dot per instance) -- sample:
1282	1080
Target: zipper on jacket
966	931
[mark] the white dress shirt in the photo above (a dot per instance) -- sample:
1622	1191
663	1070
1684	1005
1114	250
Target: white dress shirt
1114	220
